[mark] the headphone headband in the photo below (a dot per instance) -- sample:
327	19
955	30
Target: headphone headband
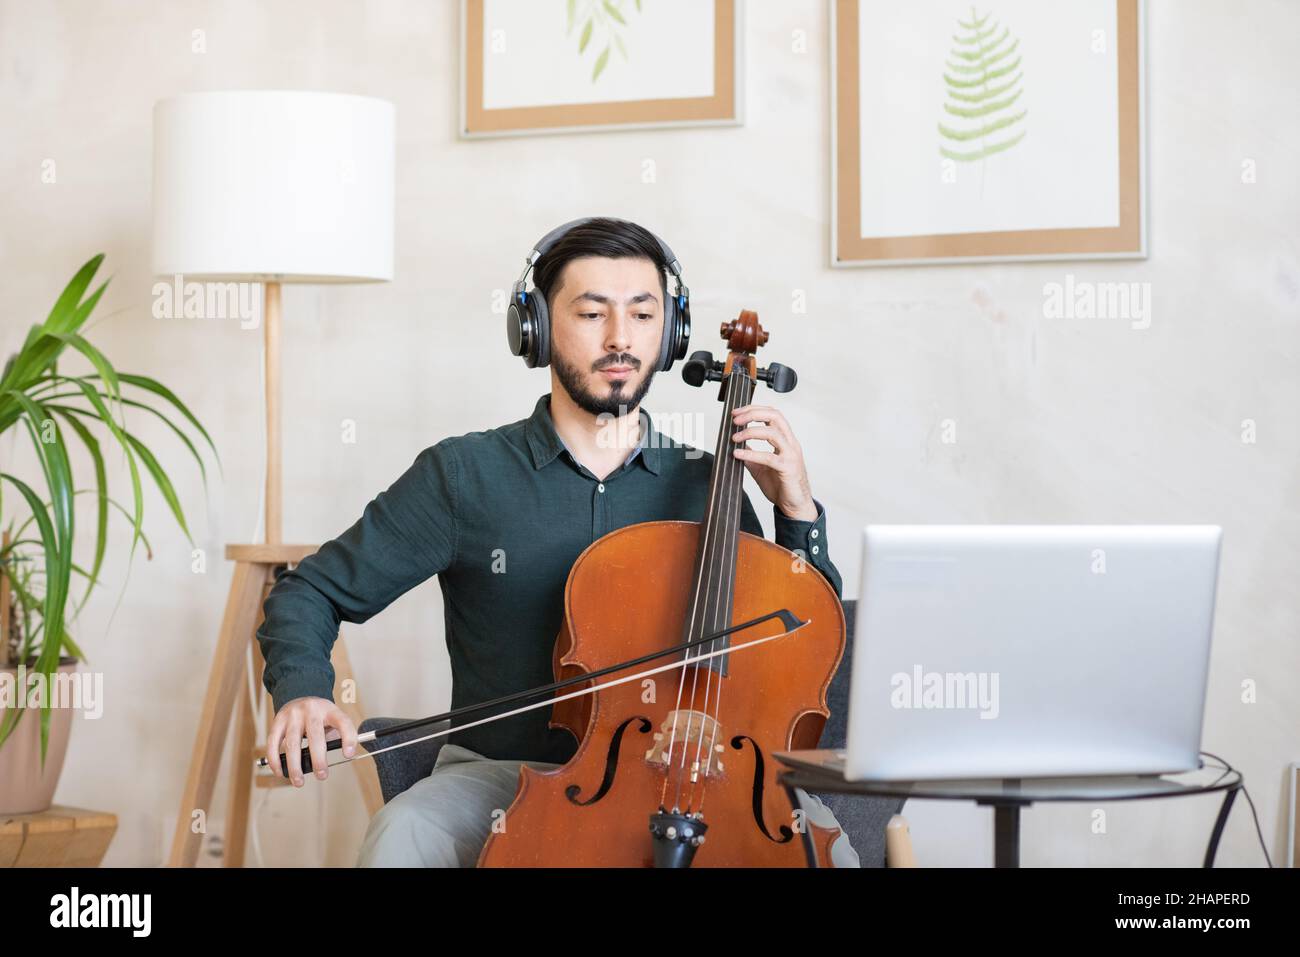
550	239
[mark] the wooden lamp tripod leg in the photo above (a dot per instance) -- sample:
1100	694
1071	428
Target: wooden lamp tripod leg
246	745
238	622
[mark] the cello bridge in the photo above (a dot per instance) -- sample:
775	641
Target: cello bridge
700	737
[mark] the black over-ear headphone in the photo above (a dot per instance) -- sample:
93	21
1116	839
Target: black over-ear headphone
528	323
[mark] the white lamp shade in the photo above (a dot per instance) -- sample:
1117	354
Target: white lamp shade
273	185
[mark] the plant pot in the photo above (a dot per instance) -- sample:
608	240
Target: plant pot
26	788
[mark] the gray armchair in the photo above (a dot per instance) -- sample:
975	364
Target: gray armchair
863	818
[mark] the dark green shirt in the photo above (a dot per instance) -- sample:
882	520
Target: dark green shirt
499	516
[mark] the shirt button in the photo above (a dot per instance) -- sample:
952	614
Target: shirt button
813	533
816	549
600	487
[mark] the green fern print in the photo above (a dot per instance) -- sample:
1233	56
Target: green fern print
983	83
602	20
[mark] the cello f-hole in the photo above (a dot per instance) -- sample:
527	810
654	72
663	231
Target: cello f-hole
756	792
611	763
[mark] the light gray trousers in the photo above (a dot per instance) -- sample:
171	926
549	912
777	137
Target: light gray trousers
444	820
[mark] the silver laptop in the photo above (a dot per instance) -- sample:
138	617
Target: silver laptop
994	651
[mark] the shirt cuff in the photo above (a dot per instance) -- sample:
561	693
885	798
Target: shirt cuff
302	683
801	536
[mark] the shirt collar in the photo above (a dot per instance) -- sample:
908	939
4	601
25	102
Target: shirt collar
545	443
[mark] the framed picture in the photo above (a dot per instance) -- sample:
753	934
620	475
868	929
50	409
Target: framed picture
555	66
990	131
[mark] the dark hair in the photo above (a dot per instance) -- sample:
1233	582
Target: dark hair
603	236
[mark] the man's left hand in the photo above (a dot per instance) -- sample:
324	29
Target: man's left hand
781	473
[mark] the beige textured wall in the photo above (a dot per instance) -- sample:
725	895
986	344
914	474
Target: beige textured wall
1059	420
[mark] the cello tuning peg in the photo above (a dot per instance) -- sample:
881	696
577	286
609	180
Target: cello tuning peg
699	368
779	378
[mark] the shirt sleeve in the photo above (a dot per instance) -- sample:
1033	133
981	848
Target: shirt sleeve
407	534
804	538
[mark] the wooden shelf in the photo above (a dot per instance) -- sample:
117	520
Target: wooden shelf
58	837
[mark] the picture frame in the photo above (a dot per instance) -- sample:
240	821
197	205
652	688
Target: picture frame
1067	161
514	88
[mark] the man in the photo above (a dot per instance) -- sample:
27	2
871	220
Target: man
500	516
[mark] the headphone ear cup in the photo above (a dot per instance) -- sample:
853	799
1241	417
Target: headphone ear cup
669	337
682	340
517	334
677	333
521	330
541	352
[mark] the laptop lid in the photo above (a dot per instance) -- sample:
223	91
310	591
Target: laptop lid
1024	651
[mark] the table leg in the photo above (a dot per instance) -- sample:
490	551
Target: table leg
809	848
1006	835
1213	847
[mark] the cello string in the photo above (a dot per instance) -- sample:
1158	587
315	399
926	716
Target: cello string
701	582
730	545
725	469
712	561
733	542
690	630
681	681
710	511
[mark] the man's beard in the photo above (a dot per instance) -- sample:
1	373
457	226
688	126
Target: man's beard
617	403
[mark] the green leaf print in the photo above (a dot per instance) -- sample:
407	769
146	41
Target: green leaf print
982	54
604	22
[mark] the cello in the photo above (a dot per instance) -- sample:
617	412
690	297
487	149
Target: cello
675	770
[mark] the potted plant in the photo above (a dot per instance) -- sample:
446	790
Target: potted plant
36	554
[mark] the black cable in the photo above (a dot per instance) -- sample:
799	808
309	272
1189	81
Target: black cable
1244	790
1226	771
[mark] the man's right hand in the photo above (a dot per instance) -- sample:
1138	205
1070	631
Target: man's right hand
309	716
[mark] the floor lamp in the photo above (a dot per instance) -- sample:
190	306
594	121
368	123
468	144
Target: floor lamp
264	187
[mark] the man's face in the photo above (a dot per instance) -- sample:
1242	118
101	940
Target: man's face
607	315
